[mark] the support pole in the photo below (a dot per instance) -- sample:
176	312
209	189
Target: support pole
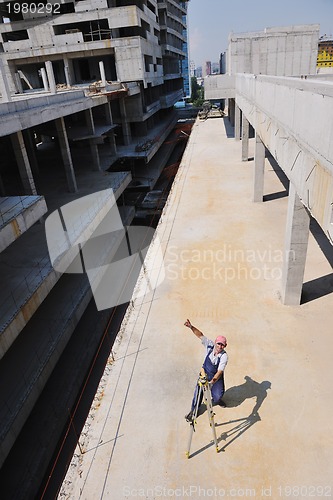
296	244
237	123
259	170
66	155
50	76
92	144
23	163
124	123
245	138
102	72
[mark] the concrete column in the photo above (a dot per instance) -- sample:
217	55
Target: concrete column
296	244
67	71
89	121
31	149
44	78
94	155
108	113
92	144
2	187
102	72
5	91
23	163
109	121
231	111
66	155
245	139
237	123
124	123
18	83
50	76
259	170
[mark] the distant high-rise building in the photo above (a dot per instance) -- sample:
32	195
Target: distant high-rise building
185	61
223	63
208	67
325	52
215	68
192	69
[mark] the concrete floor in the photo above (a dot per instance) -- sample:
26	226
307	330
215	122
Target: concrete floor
222	265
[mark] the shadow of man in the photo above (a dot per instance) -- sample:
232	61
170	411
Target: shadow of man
235	396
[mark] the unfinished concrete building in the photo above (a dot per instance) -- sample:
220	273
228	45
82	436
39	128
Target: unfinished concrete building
84	84
272	86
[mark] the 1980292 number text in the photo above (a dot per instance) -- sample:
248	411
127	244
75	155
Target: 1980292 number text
305	491
33	8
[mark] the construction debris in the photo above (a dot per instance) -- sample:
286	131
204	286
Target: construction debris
210	110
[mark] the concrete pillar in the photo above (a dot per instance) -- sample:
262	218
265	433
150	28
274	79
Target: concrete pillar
102	72
50	76
89	121
124	123
259	170
44	78
108	113
68	72
92	144
231	111
18	83
2	187
66	154
5	91
296	244
237	123
109	121
23	163
31	149
245	138
94	155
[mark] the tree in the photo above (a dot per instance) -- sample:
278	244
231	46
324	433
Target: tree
197	92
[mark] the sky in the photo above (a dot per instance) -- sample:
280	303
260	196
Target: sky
211	21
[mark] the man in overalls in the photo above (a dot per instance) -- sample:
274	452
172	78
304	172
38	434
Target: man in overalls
214	364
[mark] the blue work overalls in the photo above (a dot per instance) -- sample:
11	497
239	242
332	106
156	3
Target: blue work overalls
217	388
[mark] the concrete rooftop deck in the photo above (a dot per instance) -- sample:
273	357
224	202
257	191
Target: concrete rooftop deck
223	258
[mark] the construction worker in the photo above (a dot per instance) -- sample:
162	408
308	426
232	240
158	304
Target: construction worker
214	365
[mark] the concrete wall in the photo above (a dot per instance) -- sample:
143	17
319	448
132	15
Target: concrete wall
286	51
292	116
219	86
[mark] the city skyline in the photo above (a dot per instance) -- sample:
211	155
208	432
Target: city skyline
209	27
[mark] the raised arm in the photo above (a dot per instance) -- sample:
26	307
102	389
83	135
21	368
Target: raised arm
195	330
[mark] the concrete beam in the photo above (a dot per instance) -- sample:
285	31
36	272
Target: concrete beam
296	244
259	170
